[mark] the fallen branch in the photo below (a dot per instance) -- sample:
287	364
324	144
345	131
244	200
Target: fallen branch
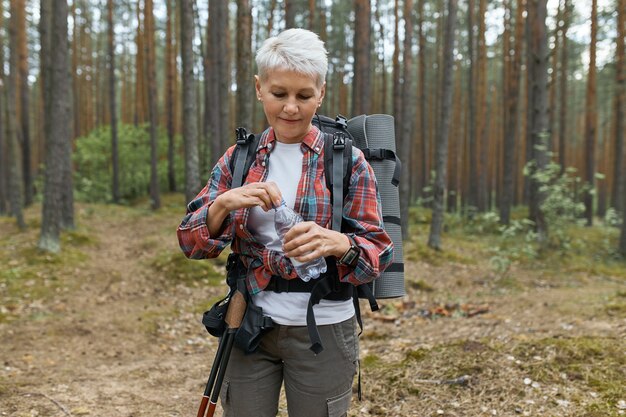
55	402
462	380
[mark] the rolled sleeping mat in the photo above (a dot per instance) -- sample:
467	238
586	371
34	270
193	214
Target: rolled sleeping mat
375	136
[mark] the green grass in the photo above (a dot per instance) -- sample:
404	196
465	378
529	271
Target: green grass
175	266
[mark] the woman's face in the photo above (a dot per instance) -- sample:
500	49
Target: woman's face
290	100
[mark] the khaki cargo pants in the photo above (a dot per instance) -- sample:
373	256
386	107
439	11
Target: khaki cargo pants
315	385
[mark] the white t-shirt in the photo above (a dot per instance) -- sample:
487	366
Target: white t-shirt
285	169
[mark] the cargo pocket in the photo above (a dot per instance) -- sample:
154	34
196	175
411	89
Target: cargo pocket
338	406
225	398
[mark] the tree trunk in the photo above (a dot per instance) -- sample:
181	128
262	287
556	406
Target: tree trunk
190	123
483	115
361	85
406	135
18	18
244	64
115	186
152	103
397	94
511	118
434	238
312	17
620	91
540	128
58	143
219	78
423	102
4	161
591	117
563	81
170	75
270	20
65	115
472	197
140	70
290	14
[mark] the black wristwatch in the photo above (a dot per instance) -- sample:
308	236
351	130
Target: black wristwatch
351	256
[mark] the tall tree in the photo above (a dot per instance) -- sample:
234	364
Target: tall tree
620	91
406	135
115	164
441	160
397	91
563	88
170	79
511	116
540	127
472	197
152	103
18	18
140	70
16	199
424	163
58	136
591	117
361	85
4	173
190	122
244	64
483	113
219	77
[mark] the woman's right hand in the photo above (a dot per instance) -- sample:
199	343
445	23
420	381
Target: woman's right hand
265	195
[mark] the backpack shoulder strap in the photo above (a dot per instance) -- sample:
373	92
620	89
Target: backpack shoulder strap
243	156
337	168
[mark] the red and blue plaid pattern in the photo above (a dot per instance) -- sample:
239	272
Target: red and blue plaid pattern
362	215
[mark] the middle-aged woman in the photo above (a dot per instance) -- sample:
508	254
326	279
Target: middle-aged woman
289	166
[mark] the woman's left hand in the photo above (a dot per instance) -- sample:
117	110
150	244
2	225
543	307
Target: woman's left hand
307	241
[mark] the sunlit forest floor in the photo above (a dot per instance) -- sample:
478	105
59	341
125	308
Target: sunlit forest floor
111	325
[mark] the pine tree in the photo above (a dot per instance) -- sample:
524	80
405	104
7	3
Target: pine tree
115	165
441	160
190	122
591	117
58	143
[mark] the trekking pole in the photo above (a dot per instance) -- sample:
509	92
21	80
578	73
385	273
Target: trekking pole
234	316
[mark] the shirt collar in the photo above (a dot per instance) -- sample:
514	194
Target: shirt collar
314	140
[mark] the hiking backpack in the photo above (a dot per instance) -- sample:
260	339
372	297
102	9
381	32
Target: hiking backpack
374	136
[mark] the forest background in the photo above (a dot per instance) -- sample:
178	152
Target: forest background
509	120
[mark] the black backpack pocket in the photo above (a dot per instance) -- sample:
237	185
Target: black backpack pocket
254	325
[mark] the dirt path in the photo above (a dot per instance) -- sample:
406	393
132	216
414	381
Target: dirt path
117	337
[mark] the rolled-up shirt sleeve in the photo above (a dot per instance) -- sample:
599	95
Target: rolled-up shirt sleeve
193	232
362	217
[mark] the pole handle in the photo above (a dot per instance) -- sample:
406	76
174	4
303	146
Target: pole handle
236	310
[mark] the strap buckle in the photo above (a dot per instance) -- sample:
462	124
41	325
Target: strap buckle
339	141
243	137
341	122
374	153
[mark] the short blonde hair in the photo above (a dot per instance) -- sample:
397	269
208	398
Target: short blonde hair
298	50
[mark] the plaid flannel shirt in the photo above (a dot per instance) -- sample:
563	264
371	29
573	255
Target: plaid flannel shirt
362	215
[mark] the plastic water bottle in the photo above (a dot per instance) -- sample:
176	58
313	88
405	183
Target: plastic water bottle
284	219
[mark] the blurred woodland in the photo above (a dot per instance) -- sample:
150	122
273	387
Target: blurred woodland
498	103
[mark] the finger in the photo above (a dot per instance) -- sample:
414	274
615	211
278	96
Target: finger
274	193
307	253
299	234
259	193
